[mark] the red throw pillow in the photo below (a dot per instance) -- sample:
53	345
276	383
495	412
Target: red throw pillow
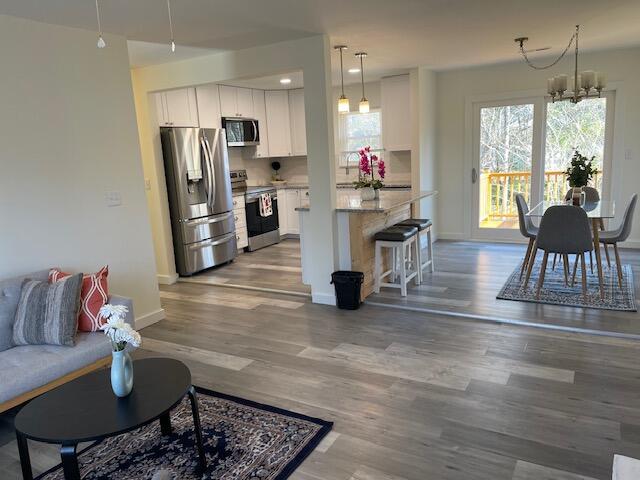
93	296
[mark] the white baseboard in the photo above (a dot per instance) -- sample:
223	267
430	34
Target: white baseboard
452	236
149	319
323	298
167	279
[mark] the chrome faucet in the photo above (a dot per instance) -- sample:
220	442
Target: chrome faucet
349	155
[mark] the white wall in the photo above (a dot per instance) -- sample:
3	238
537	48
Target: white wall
67	136
622	68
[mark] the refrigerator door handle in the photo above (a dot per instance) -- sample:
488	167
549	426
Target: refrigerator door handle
212	172
213	243
208	186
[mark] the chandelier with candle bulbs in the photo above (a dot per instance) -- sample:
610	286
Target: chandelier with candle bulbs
574	87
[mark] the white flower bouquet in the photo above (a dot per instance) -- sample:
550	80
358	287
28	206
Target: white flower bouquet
119	332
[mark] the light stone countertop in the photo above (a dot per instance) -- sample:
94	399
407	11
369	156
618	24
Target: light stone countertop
350	201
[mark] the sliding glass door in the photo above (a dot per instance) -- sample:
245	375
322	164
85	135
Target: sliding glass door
524	146
505	152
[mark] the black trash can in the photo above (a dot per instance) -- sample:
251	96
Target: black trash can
347	285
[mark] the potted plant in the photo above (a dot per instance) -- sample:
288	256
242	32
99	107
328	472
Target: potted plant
121	334
579	174
367	182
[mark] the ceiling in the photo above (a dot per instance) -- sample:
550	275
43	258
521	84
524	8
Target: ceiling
398	35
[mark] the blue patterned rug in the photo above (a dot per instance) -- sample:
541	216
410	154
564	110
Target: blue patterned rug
242	440
555	292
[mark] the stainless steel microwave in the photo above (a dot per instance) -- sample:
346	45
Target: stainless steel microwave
241	132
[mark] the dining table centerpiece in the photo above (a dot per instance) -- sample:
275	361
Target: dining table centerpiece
121	334
579	174
367	182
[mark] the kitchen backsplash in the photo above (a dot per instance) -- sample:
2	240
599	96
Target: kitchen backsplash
294	169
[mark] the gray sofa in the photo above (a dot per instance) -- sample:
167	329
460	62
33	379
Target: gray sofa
27	371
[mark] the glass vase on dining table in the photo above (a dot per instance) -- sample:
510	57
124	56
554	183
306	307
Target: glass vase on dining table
578	197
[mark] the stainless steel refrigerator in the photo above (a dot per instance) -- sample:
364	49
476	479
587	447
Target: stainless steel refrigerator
200	202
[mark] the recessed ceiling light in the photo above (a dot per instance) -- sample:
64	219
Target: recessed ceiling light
354	70
285	81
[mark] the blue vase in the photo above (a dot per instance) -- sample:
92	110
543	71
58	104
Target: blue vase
121	373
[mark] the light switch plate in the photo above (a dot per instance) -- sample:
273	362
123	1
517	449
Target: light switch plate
147	184
113	199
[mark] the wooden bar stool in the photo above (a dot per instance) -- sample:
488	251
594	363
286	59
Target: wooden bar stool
397	239
424	226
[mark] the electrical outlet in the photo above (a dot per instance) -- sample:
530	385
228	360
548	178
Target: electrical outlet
113	199
147	184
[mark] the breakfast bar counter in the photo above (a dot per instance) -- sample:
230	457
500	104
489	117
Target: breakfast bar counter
358	221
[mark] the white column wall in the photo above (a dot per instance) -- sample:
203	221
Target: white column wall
423	153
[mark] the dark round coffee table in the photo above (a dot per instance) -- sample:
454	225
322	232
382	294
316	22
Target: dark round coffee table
86	409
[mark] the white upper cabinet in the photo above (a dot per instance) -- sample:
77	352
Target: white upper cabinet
260	114
278	124
245	102
297	120
208	106
177	108
228	101
236	101
396	113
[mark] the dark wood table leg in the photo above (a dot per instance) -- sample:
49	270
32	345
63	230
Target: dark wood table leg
596	245
25	461
196	426
165	424
70	462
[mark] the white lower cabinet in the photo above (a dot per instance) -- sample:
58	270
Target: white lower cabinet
293	202
240	219
282	211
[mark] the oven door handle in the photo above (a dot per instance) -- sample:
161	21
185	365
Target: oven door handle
212	243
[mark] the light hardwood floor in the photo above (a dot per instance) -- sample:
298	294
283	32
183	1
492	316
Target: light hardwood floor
469	275
276	267
413	396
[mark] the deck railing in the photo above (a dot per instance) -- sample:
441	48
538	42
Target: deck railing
498	191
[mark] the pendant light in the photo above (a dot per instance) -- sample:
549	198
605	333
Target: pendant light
173	43
343	101
363	106
101	43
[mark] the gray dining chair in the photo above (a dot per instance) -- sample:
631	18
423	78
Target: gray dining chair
564	229
620	234
527	229
590	195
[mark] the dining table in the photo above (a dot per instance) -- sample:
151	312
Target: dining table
596	213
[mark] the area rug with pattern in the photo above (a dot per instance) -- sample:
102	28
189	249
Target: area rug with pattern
556	292
242	440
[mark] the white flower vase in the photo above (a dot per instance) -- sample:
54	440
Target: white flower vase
367	193
121	373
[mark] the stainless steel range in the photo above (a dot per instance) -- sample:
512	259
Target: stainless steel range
262	229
